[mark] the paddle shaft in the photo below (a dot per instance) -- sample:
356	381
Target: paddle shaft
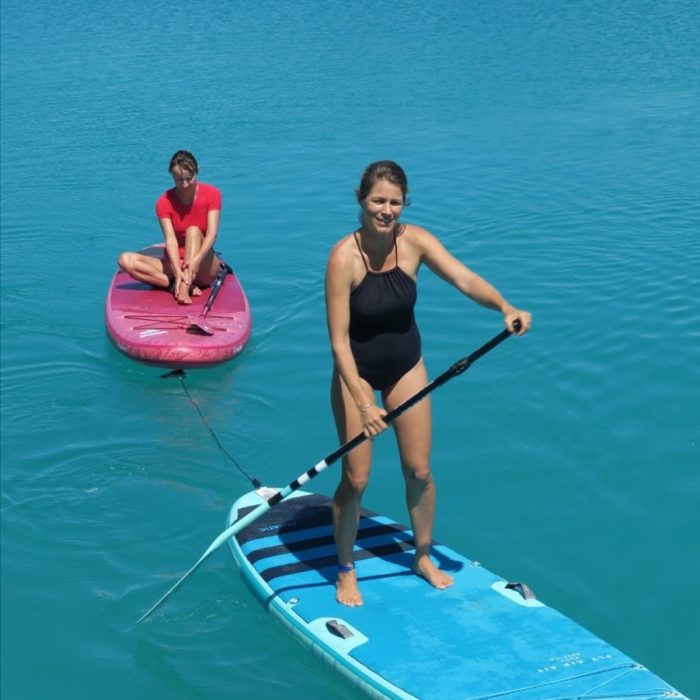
457	368
224	269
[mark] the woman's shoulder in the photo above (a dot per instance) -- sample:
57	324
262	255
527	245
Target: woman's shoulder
344	256
164	202
209	192
415	236
344	247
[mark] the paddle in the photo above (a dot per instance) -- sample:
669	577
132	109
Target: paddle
197	326
457	368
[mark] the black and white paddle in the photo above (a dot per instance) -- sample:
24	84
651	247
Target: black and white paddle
277	496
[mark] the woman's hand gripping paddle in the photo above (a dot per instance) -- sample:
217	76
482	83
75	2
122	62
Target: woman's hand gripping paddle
457	368
197	325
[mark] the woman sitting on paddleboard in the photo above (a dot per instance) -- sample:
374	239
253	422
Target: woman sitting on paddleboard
189	218
370	295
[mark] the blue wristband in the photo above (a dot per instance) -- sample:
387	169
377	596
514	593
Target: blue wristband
346	569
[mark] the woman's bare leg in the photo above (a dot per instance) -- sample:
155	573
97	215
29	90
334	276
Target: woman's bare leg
346	501
414	435
208	268
146	268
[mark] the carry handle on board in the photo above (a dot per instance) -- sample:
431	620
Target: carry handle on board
457	368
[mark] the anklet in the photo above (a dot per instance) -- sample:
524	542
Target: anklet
346	569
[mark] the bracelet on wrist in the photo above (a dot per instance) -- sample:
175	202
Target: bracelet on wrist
364	408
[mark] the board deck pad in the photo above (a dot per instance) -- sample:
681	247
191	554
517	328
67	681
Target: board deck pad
148	325
478	639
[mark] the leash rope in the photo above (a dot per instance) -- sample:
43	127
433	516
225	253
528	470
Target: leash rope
180	374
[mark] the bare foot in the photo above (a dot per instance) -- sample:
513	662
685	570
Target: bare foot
196	291
183	293
435	577
346	590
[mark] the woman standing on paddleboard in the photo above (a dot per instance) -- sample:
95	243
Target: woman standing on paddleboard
370	295
189	216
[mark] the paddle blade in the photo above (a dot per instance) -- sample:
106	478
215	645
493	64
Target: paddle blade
198	329
228	532
172	589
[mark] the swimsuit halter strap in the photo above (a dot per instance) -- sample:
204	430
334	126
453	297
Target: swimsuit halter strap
362	253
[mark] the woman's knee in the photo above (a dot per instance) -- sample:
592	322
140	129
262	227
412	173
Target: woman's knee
355	483
194	232
418	472
126	261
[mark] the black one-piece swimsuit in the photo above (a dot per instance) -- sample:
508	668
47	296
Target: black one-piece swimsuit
384	337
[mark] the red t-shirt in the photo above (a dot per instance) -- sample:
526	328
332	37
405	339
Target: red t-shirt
168	206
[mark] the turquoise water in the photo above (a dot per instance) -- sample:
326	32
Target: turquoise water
552	146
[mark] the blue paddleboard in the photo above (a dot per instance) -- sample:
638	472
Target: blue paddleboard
481	638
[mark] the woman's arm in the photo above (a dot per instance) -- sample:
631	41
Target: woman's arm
172	250
338	286
446	266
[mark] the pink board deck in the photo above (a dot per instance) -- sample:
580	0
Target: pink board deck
148	325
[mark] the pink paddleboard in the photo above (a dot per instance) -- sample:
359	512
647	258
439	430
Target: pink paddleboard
148	325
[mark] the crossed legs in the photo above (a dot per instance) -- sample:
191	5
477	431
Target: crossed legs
157	271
